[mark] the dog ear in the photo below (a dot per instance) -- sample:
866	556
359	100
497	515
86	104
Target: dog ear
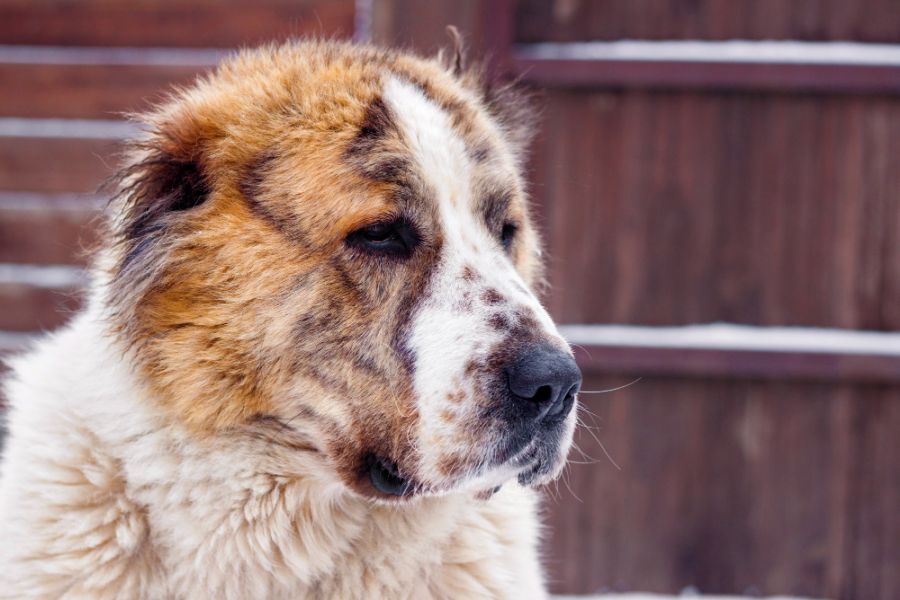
164	176
512	105
454	60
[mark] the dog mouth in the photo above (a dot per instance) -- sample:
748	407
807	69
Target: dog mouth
386	478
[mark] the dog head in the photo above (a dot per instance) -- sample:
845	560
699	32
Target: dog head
334	241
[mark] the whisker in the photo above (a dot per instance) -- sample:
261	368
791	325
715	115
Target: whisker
590	430
614	463
615	389
586	351
565	479
584	409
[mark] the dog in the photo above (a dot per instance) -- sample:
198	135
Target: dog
312	363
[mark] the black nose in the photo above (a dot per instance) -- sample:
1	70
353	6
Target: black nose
544	381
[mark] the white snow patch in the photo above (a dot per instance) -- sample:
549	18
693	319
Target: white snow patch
97	129
826	53
13	341
725	336
39	202
43	276
88	55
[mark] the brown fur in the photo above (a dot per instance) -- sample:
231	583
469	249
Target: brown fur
232	283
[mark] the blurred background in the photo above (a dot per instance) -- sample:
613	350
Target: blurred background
680	179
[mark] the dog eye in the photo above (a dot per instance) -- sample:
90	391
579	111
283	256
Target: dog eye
393	238
507	235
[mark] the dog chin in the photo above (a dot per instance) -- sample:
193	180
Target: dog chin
540	461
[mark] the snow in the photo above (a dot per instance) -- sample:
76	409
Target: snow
725	336
13	341
844	53
39	201
101	129
87	55
42	276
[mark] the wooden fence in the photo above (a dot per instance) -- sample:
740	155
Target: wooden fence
675	184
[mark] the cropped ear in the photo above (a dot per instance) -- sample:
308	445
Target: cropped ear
164	177
454	60
513	106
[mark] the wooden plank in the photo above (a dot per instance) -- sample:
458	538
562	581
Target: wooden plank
674	207
882	178
873	481
56	164
41	229
863	20
86	90
723	486
29	308
794	366
682	75
421	26
199	23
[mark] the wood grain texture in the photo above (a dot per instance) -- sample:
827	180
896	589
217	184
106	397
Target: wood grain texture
28	308
198	23
422	26
699	75
56	164
571	20
47	234
86	91
729	486
664	207
678	207
762	365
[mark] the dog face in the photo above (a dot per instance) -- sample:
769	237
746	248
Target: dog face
332	244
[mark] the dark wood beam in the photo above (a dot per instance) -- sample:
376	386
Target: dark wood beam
560	67
739	364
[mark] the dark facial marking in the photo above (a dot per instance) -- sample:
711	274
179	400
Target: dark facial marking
369	150
250	183
491	297
500	322
251	186
377	124
479	153
495	207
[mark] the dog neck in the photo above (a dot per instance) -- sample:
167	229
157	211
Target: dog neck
190	496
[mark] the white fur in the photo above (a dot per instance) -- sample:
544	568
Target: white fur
100	497
443	337
103	496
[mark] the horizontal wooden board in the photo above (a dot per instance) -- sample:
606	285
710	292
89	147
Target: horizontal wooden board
198	23
86	91
46	230
27	308
799	366
729	487
676	207
707	75
43	164
863	20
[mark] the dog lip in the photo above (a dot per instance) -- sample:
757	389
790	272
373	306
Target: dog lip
386	478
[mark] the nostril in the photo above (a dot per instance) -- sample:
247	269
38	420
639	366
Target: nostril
543	383
564	402
543	395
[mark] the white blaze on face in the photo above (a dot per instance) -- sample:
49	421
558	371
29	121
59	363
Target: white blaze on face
451	328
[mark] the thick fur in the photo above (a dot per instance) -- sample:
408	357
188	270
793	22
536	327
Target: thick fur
206	427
